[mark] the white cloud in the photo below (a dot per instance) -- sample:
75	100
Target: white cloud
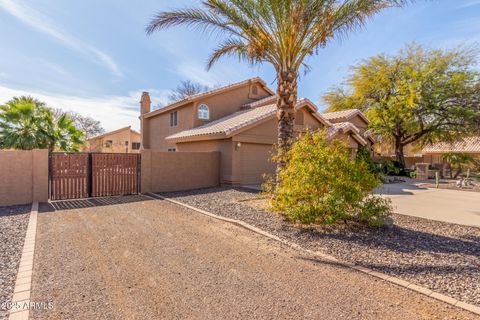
194	72
40	22
469	3
112	111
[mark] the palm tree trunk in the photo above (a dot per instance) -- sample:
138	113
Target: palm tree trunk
286	100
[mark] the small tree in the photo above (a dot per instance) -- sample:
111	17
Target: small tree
185	89
416	96
88	125
458	160
323	183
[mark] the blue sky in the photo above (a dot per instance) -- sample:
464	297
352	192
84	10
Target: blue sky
94	57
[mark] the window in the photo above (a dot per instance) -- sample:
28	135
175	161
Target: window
173	119
135	145
203	112
172	149
108	143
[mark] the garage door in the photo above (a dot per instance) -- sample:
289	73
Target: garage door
255	161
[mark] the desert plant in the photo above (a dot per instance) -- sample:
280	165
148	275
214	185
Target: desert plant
322	183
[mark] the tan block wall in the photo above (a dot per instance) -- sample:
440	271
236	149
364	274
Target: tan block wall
23	176
175	171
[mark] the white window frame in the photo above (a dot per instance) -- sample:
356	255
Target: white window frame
173	119
203	112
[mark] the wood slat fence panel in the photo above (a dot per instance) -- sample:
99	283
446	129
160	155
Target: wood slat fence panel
68	176
83	175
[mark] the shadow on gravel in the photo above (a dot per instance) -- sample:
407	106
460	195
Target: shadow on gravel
89	203
400	240
6	211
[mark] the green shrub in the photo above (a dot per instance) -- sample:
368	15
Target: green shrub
323	183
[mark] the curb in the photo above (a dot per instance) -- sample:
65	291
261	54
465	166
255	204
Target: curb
397	281
23	284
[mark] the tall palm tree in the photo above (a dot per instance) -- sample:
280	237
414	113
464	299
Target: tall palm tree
26	123
280	32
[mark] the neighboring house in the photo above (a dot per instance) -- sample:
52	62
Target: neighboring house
433	154
124	140
240	122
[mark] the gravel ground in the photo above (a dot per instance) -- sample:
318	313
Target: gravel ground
157	260
13	226
441	256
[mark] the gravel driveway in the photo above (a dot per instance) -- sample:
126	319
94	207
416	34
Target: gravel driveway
13	226
156	260
441	256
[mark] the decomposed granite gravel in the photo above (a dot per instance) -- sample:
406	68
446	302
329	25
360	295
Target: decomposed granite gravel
441	256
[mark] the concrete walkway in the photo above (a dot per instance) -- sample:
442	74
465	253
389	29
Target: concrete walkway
156	260
454	206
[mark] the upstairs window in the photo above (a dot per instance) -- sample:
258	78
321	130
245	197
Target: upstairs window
173	119
203	112
135	145
108	143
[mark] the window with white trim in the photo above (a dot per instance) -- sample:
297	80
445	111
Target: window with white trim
203	112
173	119
172	149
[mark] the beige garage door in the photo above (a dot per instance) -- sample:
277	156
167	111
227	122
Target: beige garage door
255	160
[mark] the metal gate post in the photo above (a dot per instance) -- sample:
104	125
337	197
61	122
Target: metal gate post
89	175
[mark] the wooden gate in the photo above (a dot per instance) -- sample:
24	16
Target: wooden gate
83	175
114	174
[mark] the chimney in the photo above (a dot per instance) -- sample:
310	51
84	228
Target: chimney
145	103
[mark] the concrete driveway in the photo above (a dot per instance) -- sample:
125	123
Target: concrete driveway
156	260
454	206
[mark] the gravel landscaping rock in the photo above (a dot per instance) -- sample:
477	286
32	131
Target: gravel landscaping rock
13	226
441	256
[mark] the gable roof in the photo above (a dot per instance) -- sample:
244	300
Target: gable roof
264	101
345	128
231	124
209	93
467	145
114	131
345	115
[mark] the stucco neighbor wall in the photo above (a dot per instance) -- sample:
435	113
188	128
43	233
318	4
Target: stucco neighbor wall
24	176
175	171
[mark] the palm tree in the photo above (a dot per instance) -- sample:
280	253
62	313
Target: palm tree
23	124
65	135
26	123
280	32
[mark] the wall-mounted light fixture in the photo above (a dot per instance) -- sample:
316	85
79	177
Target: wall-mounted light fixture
238	145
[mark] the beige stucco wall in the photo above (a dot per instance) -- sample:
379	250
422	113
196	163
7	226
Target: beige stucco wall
157	128
24	176
118	142
254	160
175	171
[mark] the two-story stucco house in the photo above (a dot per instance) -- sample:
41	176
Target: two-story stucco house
239	121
